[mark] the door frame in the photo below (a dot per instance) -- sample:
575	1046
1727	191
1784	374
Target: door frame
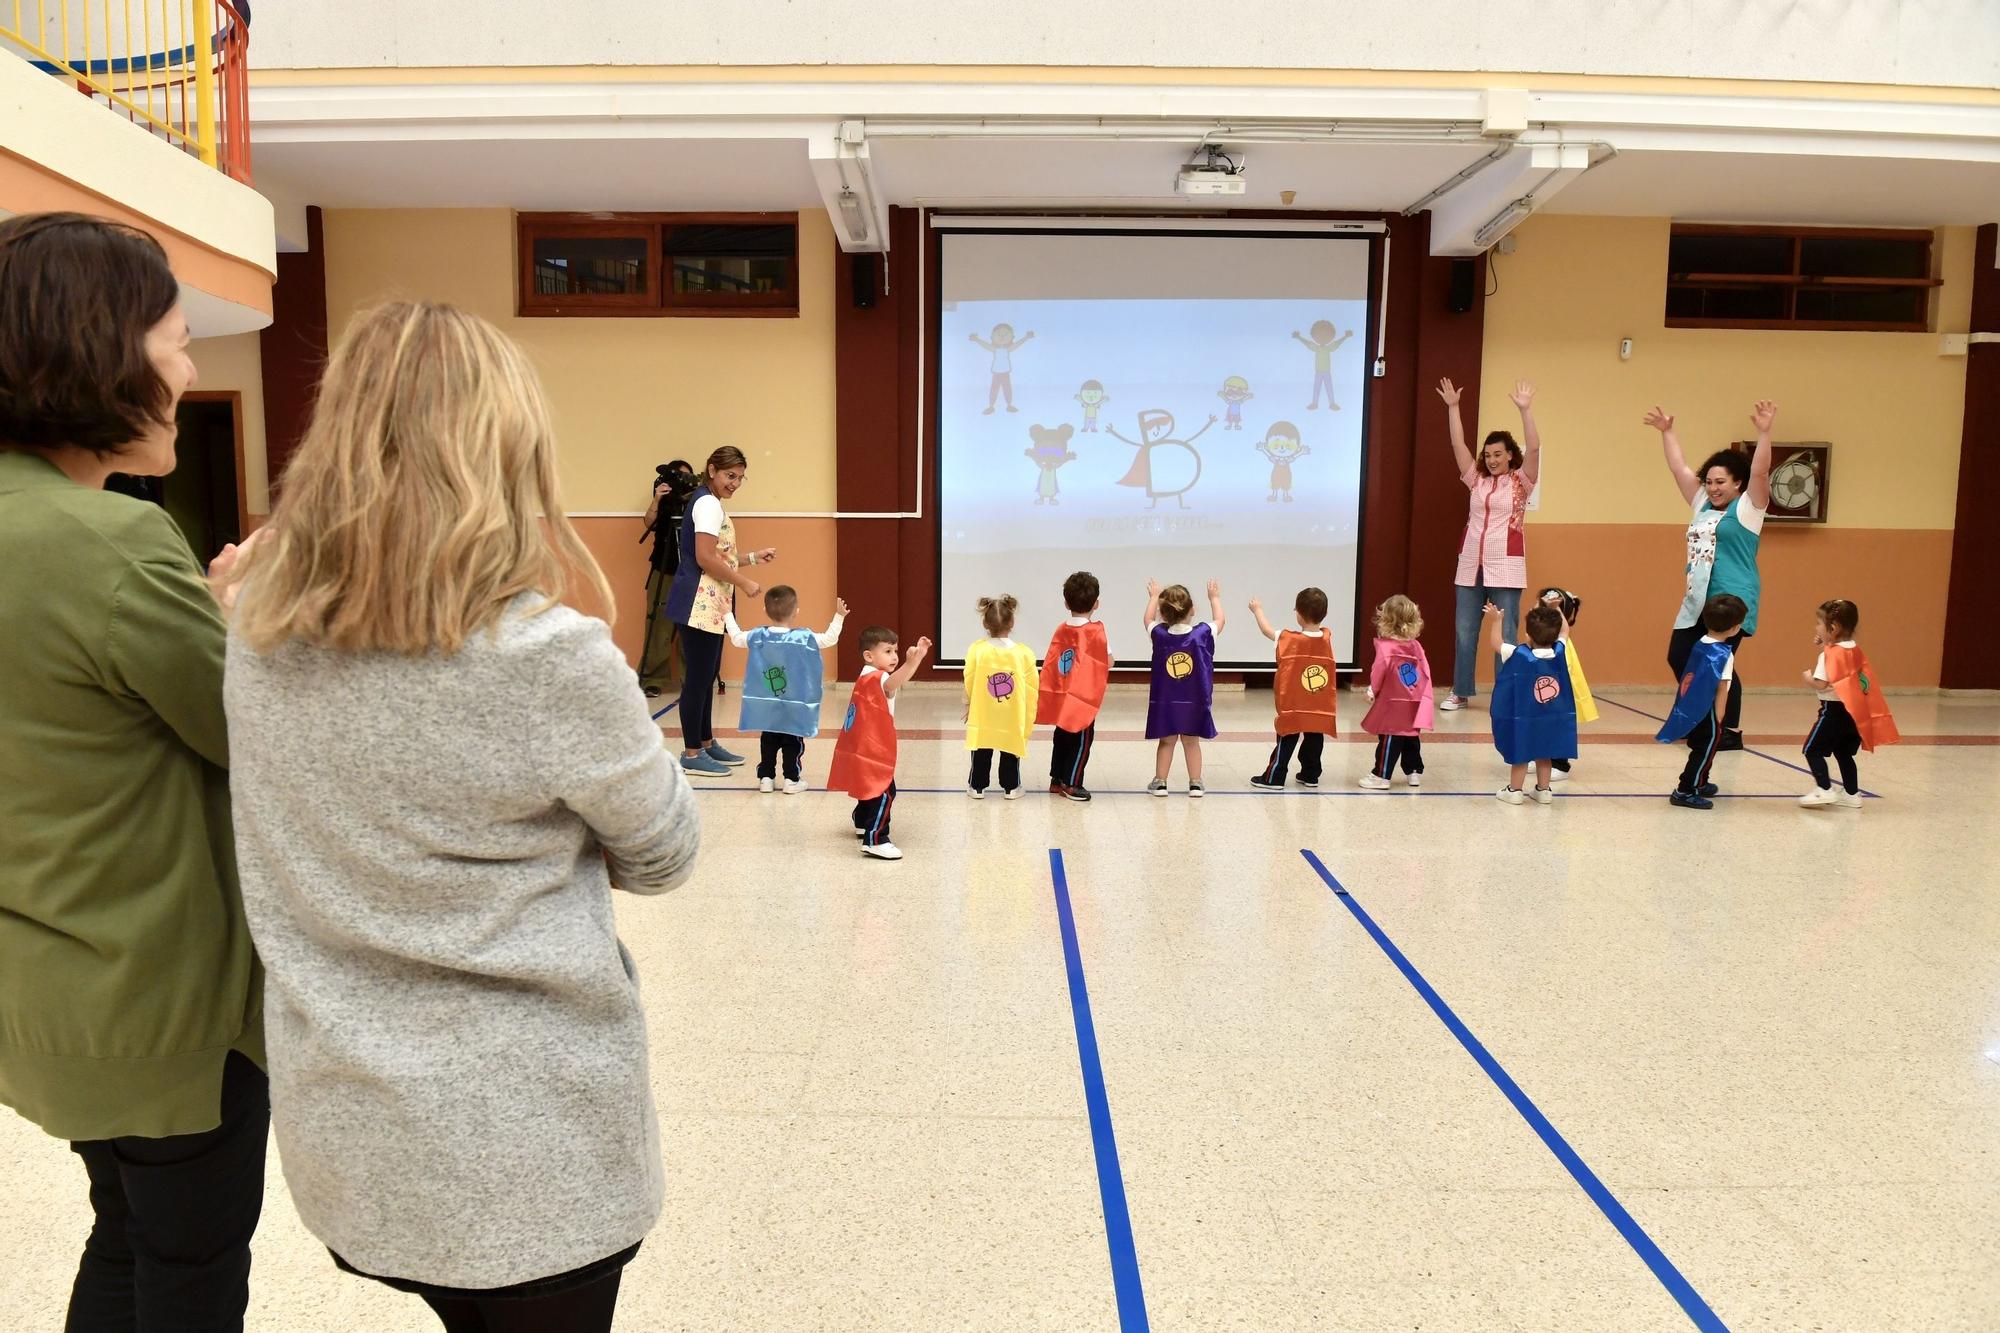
234	397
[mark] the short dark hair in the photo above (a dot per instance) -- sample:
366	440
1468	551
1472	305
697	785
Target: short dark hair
1842	615
1514	455
1080	592
1544	624
1735	461
1723	612
1310	603
875	636
77	297
781	601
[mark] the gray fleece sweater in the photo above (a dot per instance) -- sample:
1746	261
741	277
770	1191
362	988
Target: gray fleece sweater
457	1046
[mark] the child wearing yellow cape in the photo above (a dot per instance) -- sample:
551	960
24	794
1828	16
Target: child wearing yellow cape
1569	604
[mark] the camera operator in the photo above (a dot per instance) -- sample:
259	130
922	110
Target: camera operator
673	483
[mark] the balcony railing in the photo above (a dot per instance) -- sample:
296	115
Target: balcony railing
177	67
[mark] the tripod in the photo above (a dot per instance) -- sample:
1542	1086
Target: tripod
666	561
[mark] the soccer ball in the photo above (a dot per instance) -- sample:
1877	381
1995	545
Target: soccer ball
1795	484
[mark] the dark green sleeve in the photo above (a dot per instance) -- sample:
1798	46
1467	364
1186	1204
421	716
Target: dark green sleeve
165	645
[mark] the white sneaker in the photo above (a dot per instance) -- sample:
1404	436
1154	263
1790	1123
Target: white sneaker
1847	800
1558	775
1196	790
883	851
1157	787
975	793
766	786
1011	794
1373	783
1416	779
794	786
1451	703
1818	797
1542	796
1512	795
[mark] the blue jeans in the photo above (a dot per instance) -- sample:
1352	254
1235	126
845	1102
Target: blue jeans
1471	603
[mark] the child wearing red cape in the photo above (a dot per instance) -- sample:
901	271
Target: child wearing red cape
1075	674
1304	685
1853	715
864	758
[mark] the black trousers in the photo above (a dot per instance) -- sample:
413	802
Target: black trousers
981	776
1701	743
703	652
585	1309
1310	745
1069	755
1678	649
775	745
1834	735
872	817
169	1248
1393	750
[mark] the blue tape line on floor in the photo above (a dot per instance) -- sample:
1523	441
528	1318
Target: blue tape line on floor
1781	763
1670	1277
666	708
1110	1181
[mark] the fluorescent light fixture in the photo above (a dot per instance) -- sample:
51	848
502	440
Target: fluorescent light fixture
853	215
1508	218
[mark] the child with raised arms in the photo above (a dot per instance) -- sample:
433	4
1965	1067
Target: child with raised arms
1534	703
1400	705
1569	606
782	685
864	758
1000	688
1075	675
1182	694
1853	716
1304	687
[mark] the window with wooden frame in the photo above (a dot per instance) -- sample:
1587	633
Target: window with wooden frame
597	264
1869	279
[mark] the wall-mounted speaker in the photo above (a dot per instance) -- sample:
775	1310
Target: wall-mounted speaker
1463	273
864	281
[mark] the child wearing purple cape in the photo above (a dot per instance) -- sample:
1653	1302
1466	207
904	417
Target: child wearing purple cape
1183	685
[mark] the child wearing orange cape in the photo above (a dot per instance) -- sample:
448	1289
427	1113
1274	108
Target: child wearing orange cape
864	758
1304	686
1075	675
1852	713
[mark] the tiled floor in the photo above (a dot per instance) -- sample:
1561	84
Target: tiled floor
1773	1035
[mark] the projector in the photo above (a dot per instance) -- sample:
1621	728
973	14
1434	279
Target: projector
1209	180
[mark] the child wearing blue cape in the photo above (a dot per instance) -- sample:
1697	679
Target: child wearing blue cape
1534	703
782	685
1700	697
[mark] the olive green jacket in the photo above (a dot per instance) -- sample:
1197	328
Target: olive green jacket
127	974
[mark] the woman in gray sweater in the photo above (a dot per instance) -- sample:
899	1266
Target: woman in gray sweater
440	774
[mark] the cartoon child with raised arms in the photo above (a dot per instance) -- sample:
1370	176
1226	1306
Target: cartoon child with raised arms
1281	445
1003	346
1235	391
1323	344
1093	397
1048	453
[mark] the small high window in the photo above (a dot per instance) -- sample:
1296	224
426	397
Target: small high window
1722	277
584	264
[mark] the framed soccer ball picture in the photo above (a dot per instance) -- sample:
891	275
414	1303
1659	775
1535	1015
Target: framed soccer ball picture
1799	476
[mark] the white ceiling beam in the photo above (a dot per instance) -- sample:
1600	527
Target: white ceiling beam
1472	216
846	179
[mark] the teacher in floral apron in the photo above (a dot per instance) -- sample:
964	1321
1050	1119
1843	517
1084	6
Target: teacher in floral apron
704	588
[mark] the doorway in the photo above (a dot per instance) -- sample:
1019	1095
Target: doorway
204	492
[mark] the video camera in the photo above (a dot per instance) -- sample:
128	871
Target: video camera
1562	600
679	479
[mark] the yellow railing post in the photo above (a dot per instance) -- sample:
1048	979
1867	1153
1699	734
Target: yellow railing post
204	78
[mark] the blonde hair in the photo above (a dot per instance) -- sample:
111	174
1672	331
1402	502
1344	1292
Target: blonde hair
423	498
997	614
1398	618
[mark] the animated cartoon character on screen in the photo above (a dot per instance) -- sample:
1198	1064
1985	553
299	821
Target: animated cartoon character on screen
1322	344
1235	392
1165	466
1093	397
1281	445
1003	344
1049	452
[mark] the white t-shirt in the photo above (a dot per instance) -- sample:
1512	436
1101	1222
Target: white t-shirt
1819	673
867	671
741	637
705	515
1728	663
1077	622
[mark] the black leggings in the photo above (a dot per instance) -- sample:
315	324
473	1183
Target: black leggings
585	1309
1678	649
1834	735
703	653
170	1248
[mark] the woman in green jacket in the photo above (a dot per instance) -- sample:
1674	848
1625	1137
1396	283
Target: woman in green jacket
129	990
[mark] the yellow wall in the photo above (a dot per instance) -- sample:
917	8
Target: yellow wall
1611	519
627	393
237	363
1892	408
